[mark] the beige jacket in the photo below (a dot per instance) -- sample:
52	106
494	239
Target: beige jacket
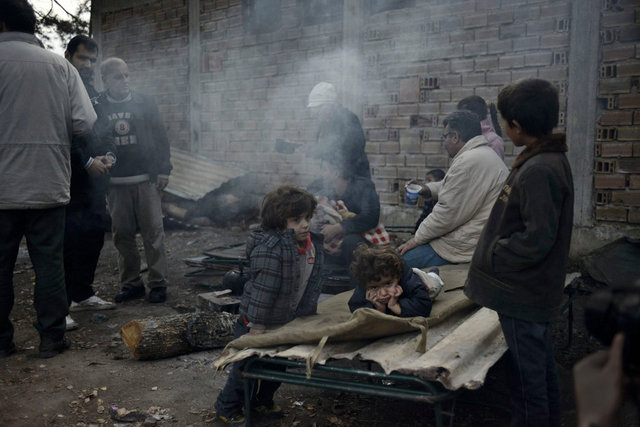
43	102
465	199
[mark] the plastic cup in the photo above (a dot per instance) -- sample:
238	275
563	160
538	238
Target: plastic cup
111	158
412	193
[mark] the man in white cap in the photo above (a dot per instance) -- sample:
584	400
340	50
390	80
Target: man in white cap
340	131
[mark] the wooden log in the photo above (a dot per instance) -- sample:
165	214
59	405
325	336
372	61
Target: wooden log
178	334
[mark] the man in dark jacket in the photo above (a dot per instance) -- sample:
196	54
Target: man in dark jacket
519	265
86	213
339	131
131	121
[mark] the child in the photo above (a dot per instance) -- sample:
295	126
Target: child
477	105
434	175
387	284
285	282
519	266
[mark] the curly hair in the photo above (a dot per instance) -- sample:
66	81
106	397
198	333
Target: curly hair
370	264
283	203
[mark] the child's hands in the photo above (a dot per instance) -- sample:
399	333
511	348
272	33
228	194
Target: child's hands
373	297
394	293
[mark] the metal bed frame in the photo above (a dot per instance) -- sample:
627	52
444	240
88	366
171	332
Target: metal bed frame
350	380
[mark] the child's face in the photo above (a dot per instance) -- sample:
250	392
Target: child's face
300	226
384	289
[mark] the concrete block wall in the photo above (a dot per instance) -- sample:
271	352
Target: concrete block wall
152	38
424	59
617	146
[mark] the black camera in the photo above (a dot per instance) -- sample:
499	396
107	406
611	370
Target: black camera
617	310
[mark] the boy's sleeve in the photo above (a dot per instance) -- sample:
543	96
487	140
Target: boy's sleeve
265	284
369	214
358	300
541	201
415	300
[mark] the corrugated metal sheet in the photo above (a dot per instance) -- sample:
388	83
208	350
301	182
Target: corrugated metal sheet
462	341
194	176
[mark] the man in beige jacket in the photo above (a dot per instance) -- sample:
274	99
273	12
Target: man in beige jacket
465	197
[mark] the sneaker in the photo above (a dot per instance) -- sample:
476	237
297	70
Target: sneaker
49	347
129	293
94	302
158	294
271	411
71	324
236	420
7	351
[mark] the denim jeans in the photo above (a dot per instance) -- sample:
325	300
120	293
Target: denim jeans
424	256
533	384
231	399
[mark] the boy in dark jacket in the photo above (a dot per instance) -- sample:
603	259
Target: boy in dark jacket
386	283
285	282
519	265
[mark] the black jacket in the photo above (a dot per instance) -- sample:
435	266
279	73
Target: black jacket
137	118
341	133
519	265
414	300
361	198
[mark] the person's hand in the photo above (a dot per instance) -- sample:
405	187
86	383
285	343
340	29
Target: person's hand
395	293
425	192
329	231
104	160
371	295
97	168
162	183
407	246
254	331
412	181
597	381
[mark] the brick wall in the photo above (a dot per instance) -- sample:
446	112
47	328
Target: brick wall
617	148
415	64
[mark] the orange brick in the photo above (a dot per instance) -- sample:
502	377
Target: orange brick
616	149
609	181
625	198
617	52
616	118
611	213
634	215
629	133
628	165
629	100
634	182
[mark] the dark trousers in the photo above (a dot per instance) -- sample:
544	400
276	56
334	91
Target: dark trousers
533	384
83	241
231	398
44	232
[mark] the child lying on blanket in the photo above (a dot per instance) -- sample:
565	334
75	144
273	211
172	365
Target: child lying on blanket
285	282
387	283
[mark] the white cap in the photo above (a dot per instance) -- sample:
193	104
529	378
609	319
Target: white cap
322	93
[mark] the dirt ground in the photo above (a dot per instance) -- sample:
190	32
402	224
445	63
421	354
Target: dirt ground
84	384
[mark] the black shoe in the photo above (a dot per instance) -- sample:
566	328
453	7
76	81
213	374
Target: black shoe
50	347
8	350
129	293
434	270
158	294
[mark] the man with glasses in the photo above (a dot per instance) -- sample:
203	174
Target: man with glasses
130	120
465	196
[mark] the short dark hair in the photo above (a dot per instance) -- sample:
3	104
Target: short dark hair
465	122
89	43
283	203
437	174
18	15
370	264
533	103
475	104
